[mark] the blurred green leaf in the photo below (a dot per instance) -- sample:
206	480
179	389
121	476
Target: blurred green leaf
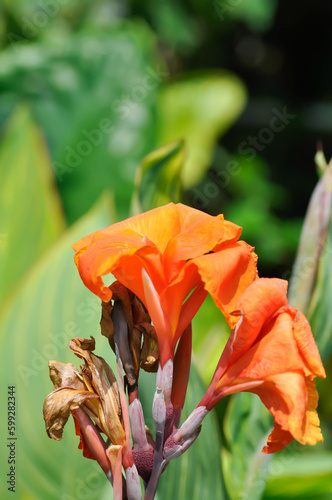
295	475
257	14
51	307
31	213
98	128
158	178
199	108
247	424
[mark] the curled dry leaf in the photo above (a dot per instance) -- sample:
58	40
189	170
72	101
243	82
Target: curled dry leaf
99	377
65	375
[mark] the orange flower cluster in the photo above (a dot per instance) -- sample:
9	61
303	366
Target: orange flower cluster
170	258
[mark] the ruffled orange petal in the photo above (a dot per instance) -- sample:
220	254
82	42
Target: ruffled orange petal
277	440
199	235
226	274
312	433
306	344
122	254
286	398
307	433
258	303
159	225
276	353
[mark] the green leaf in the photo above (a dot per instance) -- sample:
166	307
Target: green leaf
294	475
31	214
320	308
257	14
247	424
313	249
158	179
94	93
199	108
51	307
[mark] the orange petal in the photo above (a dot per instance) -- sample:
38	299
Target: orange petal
258	304
122	254
286	398
277	440
82	444
226	274
200	234
312	433
159	226
276	353
307	346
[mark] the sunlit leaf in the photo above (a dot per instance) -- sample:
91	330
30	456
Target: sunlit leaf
158	179
199	109
31	214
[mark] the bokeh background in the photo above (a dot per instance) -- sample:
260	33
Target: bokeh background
232	98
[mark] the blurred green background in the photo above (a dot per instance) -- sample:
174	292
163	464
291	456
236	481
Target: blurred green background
108	108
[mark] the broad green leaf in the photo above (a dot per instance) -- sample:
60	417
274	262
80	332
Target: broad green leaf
294	475
199	108
51	307
247	424
158	178
94	93
31	214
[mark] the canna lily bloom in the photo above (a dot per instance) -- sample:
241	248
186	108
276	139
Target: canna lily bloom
162	256
272	353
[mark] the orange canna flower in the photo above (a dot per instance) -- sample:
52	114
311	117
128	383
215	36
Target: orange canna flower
272	353
165	256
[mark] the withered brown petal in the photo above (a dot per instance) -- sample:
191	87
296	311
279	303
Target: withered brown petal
106	323
57	408
135	343
149	354
105	385
65	375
